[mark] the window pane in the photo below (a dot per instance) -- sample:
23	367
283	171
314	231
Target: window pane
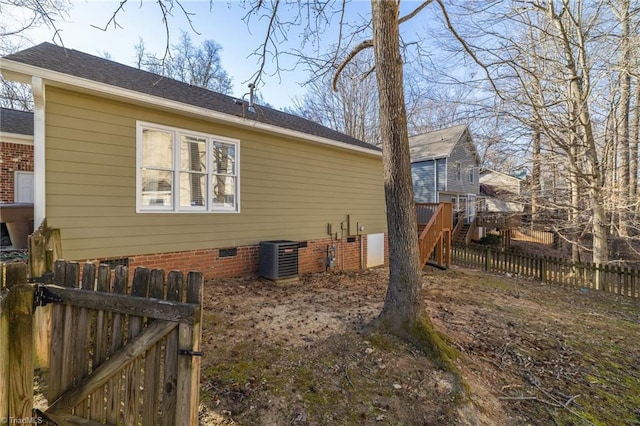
157	188
192	189
224	158
193	154
223	191
157	149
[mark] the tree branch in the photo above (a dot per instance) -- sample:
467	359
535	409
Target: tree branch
468	49
415	12
359	48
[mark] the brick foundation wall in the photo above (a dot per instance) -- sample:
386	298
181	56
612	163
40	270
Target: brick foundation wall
13	157
311	258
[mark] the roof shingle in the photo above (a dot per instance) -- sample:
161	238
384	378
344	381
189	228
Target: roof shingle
17	122
436	144
83	65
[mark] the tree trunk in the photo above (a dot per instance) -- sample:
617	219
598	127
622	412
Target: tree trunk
575	201
403	313
634	139
579	86
403	304
624	111
535	174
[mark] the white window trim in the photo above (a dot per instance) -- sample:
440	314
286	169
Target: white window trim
176	208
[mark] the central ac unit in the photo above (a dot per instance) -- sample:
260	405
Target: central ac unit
278	259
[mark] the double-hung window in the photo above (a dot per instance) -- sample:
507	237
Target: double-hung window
184	171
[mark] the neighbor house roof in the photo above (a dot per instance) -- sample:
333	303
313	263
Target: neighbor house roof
81	65
434	145
16	122
494	182
496	205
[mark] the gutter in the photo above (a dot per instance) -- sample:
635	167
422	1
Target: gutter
17	138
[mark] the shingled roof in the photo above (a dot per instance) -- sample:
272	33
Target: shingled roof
16	122
436	144
79	64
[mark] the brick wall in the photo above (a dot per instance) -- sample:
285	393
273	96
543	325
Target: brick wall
13	157
311	258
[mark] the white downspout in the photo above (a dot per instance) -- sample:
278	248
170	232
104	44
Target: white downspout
39	193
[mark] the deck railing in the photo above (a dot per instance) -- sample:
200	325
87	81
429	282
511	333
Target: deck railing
435	222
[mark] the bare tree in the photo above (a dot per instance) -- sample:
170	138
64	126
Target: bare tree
197	65
20	15
550	65
16	17
351	109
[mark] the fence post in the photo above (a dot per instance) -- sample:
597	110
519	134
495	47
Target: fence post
626	281
188	385
4	351
16	350
543	269
597	276
487	258
16	366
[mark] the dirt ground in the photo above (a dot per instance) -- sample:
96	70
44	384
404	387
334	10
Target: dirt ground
531	353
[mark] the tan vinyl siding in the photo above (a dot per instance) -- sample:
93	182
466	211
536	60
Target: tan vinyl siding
289	189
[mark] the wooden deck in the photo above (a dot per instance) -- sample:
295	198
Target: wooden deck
435	223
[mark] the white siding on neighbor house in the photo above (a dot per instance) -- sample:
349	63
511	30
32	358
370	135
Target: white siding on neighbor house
289	189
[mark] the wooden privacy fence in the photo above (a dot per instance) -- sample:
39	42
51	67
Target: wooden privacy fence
618	280
535	236
119	354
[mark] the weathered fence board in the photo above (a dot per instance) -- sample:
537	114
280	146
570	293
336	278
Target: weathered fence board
139	288
618	280
4	354
121	280
97	406
170	385
189	366
133	364
152	370
16	342
21	352
125	356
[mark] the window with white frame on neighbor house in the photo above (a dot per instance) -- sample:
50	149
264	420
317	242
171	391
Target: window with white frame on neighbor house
184	171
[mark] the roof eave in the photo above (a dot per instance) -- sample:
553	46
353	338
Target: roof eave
438	157
20	72
16	138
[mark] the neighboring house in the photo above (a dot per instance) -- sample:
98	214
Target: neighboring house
444	168
141	169
16	156
501	192
16	177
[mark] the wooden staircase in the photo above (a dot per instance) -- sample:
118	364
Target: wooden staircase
461	235
435	222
